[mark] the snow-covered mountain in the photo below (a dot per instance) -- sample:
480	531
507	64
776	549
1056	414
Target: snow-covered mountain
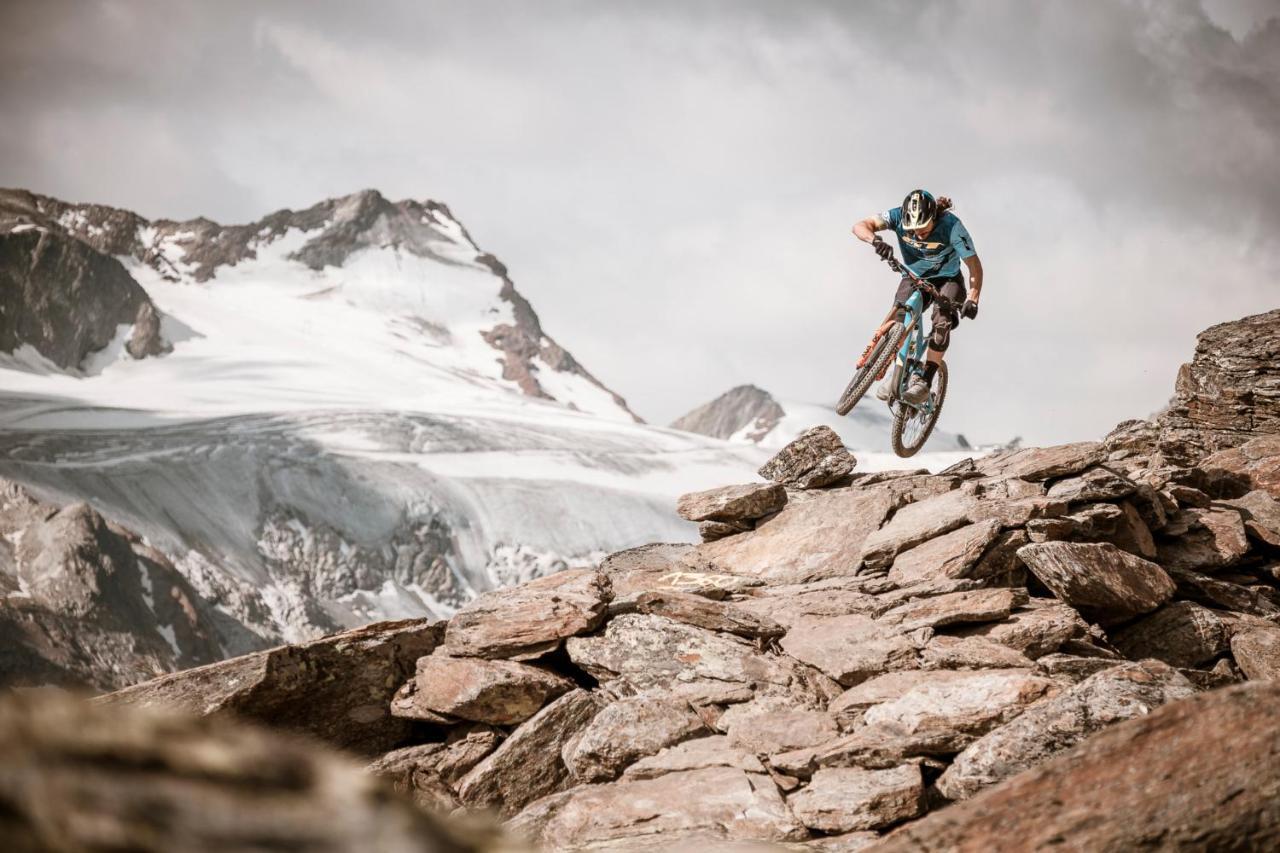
752	416
323	417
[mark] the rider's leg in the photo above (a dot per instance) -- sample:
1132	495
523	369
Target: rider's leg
942	323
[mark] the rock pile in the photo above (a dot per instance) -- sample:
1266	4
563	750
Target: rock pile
861	656
906	654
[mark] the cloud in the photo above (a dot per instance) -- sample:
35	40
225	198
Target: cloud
672	184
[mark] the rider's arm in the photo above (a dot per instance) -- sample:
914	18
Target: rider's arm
865	229
975	276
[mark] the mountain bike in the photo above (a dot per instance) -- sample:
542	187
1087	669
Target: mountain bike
912	423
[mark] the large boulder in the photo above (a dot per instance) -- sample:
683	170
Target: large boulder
1255	462
338	688
531	619
1049	727
815	458
732	503
1198	774
1106	584
498	692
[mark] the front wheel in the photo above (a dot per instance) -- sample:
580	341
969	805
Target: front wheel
877	362
912	427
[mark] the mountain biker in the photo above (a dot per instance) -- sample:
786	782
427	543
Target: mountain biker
933	242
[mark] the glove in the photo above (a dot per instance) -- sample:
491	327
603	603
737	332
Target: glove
970	310
883	249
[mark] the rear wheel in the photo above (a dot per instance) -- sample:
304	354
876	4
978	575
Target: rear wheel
877	362
912	427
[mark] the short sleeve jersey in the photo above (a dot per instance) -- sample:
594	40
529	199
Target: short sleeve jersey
937	255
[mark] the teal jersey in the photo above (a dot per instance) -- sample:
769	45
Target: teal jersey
939	254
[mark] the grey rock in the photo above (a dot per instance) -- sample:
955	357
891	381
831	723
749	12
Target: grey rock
815	458
146	339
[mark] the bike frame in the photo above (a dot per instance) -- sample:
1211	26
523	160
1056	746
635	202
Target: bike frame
912	355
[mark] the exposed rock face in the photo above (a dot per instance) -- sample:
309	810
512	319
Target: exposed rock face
1198	774
84	602
338	689
76	776
816	458
743	408
499	692
145	339
63	298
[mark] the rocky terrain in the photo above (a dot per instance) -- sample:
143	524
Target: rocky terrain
1065	646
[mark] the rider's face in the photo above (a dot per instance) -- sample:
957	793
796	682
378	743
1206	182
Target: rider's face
921	233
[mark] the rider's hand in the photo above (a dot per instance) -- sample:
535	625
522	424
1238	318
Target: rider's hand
970	309
883	249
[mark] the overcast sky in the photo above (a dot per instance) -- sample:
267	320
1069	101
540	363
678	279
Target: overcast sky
672	183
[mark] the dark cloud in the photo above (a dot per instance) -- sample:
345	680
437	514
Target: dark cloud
694	167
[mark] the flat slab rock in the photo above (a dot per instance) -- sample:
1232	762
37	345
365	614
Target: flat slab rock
815	458
732	503
1217	539
712	615
771	724
846	799
916	523
531	619
653	651
848	708
626	730
1059	723
1100	580
1257	652
955	608
1039	628
953	555
850	649
338	688
1198	774
815	536
1043	463
499	692
713	802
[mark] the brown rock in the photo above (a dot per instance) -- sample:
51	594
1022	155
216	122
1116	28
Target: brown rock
1262	516
1074	667
1039	629
530	619
697	754
849	706
1180	634
498	692
626	730
1059	723
951	556
816	535
1211	592
710	531
1100	580
81	776
428	772
1257	462
944	716
1217	539
1044	463
943	652
1095	484
770	724
788	604
712	615
845	799
337	689
978	605
651	651
1257	653
733	503
916	523
849	649
815	458
528	764
1199	774
677	809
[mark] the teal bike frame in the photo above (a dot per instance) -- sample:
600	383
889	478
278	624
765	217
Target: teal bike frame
912	355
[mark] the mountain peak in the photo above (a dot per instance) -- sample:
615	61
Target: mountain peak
746	407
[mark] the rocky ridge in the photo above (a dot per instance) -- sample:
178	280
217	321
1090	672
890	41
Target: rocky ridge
900	659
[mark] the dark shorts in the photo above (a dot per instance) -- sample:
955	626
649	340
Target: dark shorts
940	322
